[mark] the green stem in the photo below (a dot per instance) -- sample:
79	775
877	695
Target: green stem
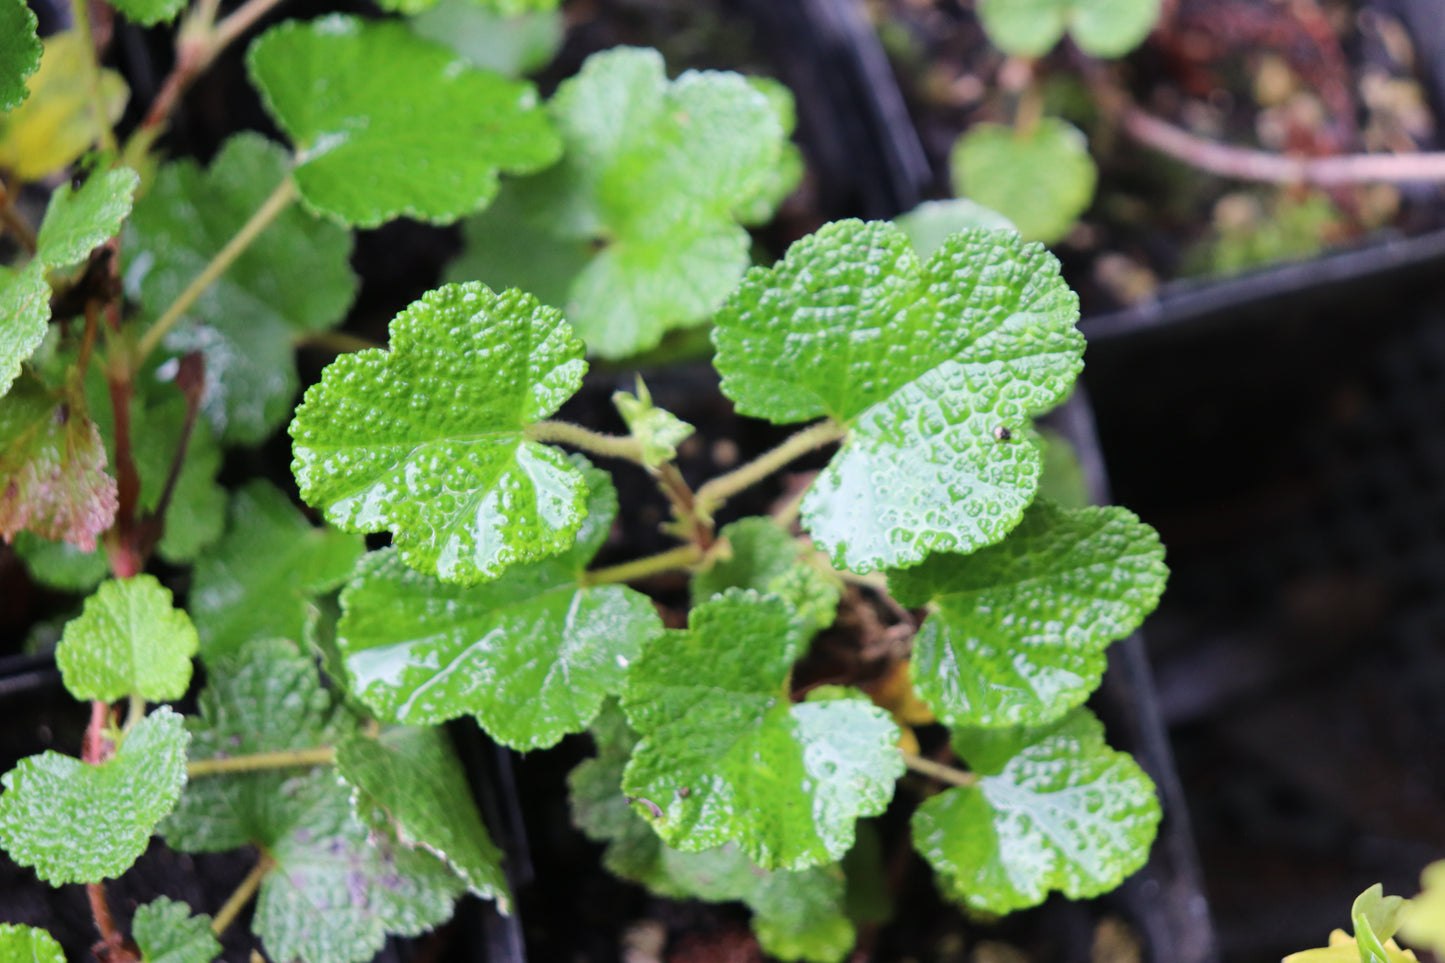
341	342
607	446
238	900
937	770
279	200
681	557
723	487
319	756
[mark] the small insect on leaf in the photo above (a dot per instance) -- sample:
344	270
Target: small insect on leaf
1001	433
652	807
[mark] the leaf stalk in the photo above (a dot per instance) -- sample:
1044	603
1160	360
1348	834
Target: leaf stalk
238	899
605	446
937	770
681	557
257	761
713	494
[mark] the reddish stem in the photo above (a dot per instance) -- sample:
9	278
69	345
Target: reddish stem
191	380
96	748
684	506
126	556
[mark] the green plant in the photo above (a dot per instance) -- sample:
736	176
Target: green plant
717	775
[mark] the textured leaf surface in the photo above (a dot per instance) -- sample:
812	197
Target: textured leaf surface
52	470
655	170
339	885
78	221
414	776
658	430
531	654
1041	181
931	223
64	115
150	12
25	306
129	640
258	581
427	438
512	45
75	823
726	756
1101	28
765	557
386	123
1018	630
166	932
28	944
295	278
1055	809
19	50
934	367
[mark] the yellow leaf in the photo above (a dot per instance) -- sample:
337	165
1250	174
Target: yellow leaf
56	123
1344	949
1422	921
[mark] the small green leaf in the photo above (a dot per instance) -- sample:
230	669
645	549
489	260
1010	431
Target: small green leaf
1041	180
1375	917
658	430
257	582
765	557
28	944
796	915
150	12
19	50
129	640
1063	481
1101	28
166	932
531	654
726	756
60	565
1054	809
25	306
504	248
1016	632
75	823
414	776
428	438
934	368
78	221
295	278
931	223
386	123
511	45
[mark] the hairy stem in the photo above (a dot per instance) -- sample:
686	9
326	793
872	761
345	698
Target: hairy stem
681	557
937	770
256	761
606	446
279	200
238	900
240	20
689	521
720	489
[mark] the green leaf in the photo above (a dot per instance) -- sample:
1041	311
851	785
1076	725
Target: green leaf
340	885
294	279
150	12
1016	632
166	932
386	123
726	756
1422	919
1101	28
1041	180
428	438
531	654
52	470
1054	809
796	915
511	45
414	776
931	223
59	565
504	8
129	640
655	171
19	50
658	430
28	944
1063	481
504	248
25	306
765	557
75	823
934	368
78	221
258	581
1375	917
787	174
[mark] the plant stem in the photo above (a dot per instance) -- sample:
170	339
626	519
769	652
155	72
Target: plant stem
80	14
238	21
238	900
95	749
340	342
690	522
681	557
720	489
279	200
607	446
10	219
319	756
937	770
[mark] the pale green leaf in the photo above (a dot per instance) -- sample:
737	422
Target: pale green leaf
787	174
428	438
413	775
78	221
1101	28
150	12
531	654
258	580
1054	809
931	223
25	308
76	823
166	932
129	640
1016	632
503	8
386	123
1375	917
28	944
295	278
1422	919
19	50
762	555
60	565
512	45
658	430
726	756
504	248
1041	180
1063	481
933	367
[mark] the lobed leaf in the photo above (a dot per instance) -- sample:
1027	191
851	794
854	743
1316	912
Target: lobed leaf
77	823
150	12
68	108
726	756
386	123
25	306
19	50
1054	809
1016	632
504	8
1041	180
28	944
128	640
428	438
934	368
531	654
513	45
931	223
166	932
763	556
657	430
1101	28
